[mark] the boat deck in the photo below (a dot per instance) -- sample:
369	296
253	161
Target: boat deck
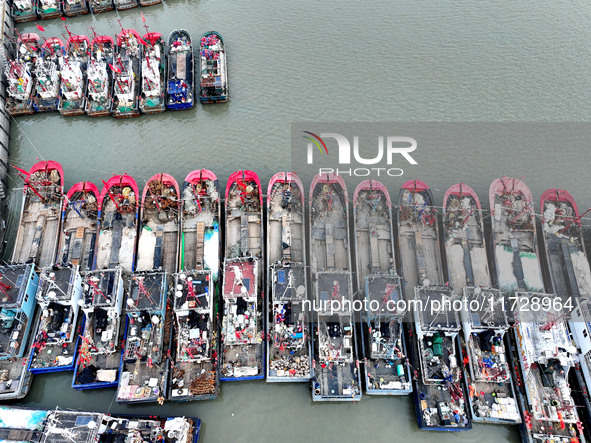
158	243
79	232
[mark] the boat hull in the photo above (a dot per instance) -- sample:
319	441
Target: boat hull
122	5
97	9
74	11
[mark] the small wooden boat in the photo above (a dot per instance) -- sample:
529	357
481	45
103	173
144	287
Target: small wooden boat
159	232
49	9
18	285
73	74
386	369
79	226
335	370
99	356
118	219
122	5
195	374
24	10
47	81
19	100
180	79
99	100
242	356
98	6
127	74
55	345
38	232
214	70
514	238
145	362
72	8
439	390
153	90
486	363
289	356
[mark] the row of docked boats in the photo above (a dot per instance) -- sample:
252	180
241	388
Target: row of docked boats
30	10
60	425
122	77
193	319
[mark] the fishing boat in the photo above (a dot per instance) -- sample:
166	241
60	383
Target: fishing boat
546	356
118	220
200	223
99	355
64	425
289	356
335	368
122	5
28	48
79	226
55	344
73	74
195	373
242	356
24	10
72	8
149	2
99	100
180	81
514	237
127	74
145	363
18	285
38	232
47	81
98	6
214	70
153	92
486	365
19	100
438	388
49	9
159	233
386	369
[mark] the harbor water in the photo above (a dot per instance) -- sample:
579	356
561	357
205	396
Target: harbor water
336	61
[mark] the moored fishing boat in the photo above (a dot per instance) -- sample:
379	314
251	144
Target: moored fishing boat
118	218
98	6
153	91
99	355
24	10
242	356
289	356
49	9
195	373
38	232
18	285
486	366
72	8
47	82
99	98
79	226
55	344
122	5
145	363
386	369
149	2
335	368
180	81
214	70
127	74
159	232
514	237
28	48
73	75
438	389
19	100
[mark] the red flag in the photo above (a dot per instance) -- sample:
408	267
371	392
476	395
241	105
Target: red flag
143	18
40	28
63	18
115	68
